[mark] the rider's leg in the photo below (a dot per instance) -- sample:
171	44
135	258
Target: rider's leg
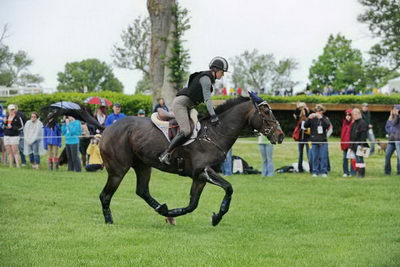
180	108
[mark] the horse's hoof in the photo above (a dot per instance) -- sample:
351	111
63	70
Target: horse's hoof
215	219
163	210
170	220
109	222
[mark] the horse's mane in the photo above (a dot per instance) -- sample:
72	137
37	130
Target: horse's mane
228	104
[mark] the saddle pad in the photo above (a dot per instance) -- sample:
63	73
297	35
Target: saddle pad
164	126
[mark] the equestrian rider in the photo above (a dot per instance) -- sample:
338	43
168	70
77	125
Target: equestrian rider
199	89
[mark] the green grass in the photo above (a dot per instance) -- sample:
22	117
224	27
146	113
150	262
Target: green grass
55	219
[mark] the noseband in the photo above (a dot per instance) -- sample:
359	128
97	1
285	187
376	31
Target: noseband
270	129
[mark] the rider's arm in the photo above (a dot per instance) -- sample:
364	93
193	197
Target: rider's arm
206	85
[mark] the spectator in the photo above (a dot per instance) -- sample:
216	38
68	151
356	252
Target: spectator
239	91
101	115
266	149
358	135
141	113
224	91
93	150
161	104
84	141
33	139
13	124
366	116
226	167
319	125
21	139
115	116
2	147
393	130
71	129
52	142
345	143
300	115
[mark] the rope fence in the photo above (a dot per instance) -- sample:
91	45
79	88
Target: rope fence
248	141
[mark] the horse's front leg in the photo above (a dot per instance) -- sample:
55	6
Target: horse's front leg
195	193
214	178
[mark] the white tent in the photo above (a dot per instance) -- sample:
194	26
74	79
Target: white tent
394	85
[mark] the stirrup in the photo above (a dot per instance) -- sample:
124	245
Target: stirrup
165	158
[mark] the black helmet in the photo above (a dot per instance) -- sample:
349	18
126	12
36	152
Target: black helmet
219	63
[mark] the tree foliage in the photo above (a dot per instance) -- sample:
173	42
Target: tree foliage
134	52
260	72
14	67
340	65
383	19
180	58
88	75
283	72
170	23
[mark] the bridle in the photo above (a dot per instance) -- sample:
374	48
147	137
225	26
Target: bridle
271	126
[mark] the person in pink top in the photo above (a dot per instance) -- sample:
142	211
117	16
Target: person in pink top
344	143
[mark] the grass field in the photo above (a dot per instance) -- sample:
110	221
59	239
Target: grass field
55	219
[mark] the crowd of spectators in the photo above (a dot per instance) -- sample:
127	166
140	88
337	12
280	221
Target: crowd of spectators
20	138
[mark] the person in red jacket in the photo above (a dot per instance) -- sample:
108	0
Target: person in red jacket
344	143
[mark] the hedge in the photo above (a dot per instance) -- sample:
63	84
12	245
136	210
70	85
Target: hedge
132	103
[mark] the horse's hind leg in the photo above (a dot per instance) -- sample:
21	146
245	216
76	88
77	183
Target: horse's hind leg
142	189
115	177
213	178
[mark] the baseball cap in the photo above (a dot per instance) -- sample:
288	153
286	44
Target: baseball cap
365	104
118	105
141	111
11	106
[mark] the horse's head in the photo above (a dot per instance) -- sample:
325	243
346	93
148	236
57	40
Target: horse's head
264	120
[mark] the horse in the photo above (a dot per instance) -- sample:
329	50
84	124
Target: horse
135	142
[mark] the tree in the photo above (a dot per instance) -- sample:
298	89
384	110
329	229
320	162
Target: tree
283	73
253	70
179	60
378	76
383	19
162	27
135	49
339	65
88	75
14	67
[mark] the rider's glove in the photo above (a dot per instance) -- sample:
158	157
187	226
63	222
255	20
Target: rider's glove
214	120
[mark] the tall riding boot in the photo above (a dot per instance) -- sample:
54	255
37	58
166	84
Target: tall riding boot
178	140
50	164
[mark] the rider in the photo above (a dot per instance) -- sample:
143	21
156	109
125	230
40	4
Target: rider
199	90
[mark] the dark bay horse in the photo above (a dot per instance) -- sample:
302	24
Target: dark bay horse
135	142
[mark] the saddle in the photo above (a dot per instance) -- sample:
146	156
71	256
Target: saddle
166	122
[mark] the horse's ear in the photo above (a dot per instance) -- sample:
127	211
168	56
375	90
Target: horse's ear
255	98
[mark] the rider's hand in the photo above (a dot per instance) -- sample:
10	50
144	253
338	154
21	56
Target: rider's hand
214	120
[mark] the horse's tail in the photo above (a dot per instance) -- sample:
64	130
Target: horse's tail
54	113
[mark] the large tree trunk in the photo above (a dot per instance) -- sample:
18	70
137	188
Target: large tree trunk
161	18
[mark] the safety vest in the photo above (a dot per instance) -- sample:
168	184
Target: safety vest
194	90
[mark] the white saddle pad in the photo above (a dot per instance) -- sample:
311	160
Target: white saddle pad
164	125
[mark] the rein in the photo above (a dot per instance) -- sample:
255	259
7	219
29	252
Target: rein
207	139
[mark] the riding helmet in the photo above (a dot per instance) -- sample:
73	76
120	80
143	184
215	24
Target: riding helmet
219	63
